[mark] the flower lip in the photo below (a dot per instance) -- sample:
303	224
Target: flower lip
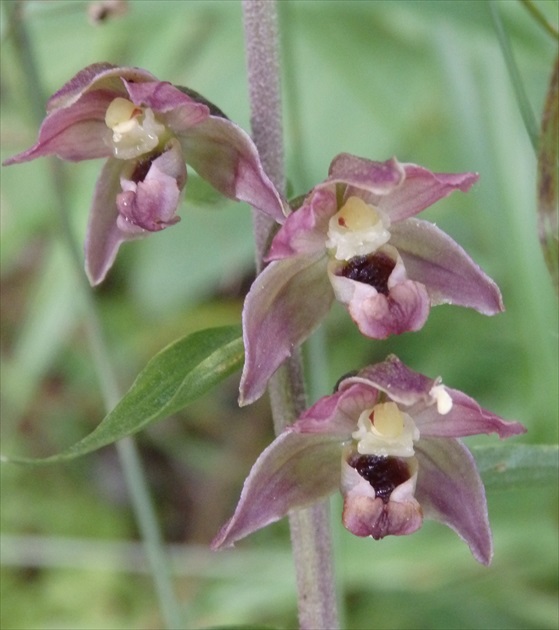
384	474
379	496
373	269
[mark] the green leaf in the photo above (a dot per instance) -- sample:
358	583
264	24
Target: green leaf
548	184
516	466
518	85
183	371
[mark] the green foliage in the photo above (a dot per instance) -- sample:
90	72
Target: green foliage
517	465
175	377
424	81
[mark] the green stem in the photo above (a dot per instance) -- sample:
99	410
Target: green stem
310	527
127	450
521	97
540	18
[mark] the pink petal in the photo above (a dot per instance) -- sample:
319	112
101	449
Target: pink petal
103	236
98	76
285	304
152	204
465	418
450	490
338	413
422	188
225	156
403	386
374	178
180	111
305	230
449	274
76	133
293	472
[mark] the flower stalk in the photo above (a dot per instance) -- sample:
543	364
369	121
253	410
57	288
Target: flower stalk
310	527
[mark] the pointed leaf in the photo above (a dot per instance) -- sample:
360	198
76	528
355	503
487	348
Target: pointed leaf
183	371
517	465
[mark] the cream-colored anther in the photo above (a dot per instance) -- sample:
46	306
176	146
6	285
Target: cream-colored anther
135	130
357	229
120	115
385	431
388	420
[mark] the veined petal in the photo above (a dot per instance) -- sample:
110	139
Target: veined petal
465	417
293	472
98	76
338	413
305	230
420	189
224	155
450	490
103	236
374	178
75	133
404	386
284	305
448	273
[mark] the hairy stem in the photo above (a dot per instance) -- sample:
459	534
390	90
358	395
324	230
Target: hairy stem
261	36
128	454
310	527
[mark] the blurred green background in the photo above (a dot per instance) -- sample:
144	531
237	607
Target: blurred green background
421	80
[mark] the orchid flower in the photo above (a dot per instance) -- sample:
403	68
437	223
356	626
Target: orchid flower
387	438
354	239
147	129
